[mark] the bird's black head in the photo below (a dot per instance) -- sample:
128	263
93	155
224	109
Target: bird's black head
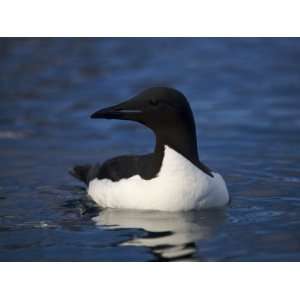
167	112
161	109
164	110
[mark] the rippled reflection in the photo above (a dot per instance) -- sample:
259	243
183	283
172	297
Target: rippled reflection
169	236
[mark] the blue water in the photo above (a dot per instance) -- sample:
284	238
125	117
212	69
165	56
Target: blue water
245	94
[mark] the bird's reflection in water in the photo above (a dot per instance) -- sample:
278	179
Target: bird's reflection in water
169	236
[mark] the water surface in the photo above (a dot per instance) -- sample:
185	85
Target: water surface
245	94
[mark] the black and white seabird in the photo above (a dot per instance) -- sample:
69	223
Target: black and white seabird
172	178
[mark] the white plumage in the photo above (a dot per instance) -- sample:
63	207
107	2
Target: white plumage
179	186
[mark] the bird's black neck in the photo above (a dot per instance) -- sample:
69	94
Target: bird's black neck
183	143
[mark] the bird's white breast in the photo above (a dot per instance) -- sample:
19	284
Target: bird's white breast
178	186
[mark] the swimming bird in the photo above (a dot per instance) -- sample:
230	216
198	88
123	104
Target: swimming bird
171	178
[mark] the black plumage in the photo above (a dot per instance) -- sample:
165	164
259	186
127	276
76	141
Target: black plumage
168	114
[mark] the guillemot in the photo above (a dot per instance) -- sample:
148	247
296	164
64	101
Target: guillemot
172	178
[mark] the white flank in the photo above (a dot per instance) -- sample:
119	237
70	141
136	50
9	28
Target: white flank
179	186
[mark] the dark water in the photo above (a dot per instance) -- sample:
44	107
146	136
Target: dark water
245	94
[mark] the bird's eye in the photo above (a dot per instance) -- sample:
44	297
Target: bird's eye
154	102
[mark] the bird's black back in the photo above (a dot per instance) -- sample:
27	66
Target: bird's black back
117	168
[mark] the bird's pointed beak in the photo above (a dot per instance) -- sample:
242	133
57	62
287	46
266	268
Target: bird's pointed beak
127	110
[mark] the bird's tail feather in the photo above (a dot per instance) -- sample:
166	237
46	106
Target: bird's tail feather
81	172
